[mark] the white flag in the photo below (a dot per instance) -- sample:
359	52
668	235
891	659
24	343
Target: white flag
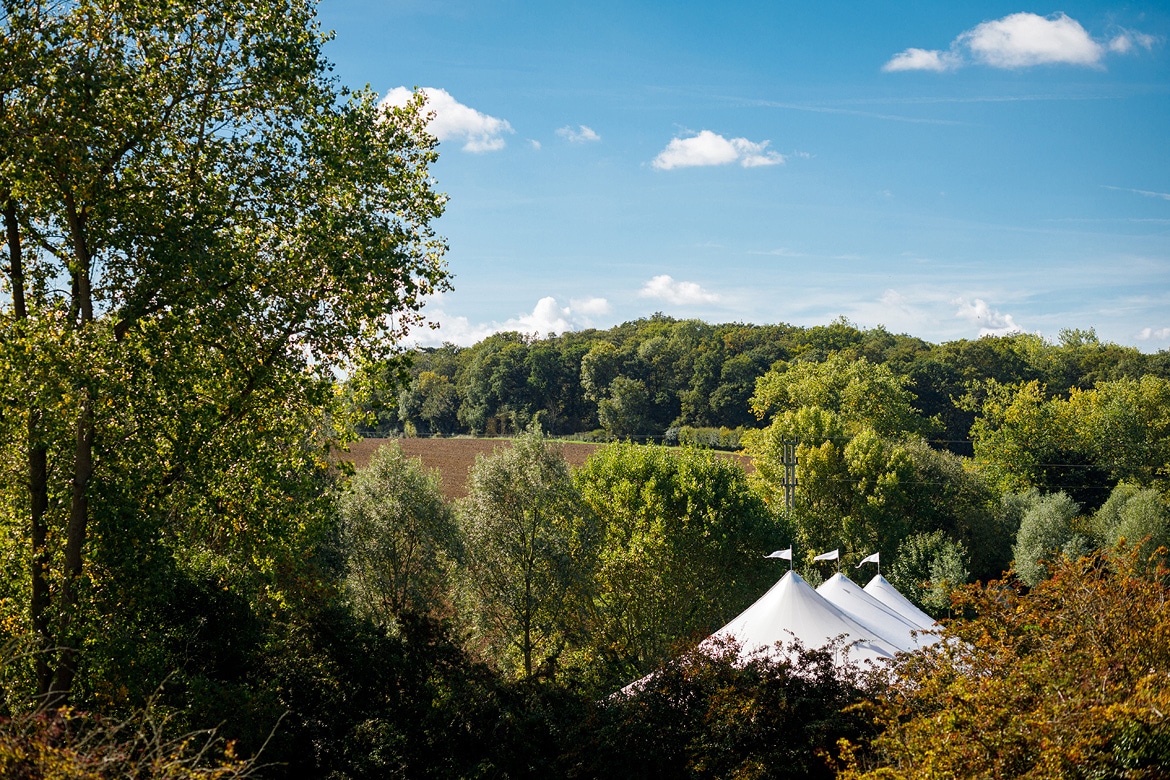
868	559
829	556
785	555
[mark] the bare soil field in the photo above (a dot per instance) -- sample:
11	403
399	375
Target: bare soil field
455	457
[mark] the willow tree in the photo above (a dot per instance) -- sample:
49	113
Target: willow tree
200	225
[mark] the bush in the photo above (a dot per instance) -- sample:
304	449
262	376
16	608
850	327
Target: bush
66	744
1067	679
711	438
712	714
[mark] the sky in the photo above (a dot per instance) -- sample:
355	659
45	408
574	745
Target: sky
946	170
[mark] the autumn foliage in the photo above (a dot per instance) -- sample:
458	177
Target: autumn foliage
1068	680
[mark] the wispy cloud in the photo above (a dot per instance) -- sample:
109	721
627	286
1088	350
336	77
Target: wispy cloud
453	121
781	252
708	148
823	109
665	288
1021	40
1147	193
582	135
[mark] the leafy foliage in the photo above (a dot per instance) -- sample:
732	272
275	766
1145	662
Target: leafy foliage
399	537
530	543
1067	680
681	550
712	714
1052	527
928	568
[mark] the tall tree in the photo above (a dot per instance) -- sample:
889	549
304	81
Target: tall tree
530	543
398	535
681	553
199	226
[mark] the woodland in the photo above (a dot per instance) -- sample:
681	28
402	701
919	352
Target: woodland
203	231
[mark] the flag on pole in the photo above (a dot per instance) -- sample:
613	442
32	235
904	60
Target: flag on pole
785	555
829	556
869	559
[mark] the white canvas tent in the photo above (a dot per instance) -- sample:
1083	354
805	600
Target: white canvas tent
791	609
880	588
876	622
875	615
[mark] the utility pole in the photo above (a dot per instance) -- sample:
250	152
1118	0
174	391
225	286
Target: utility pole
790	475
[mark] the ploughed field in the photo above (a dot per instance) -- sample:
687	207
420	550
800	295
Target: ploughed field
455	457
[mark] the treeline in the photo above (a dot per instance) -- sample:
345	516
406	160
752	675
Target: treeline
650	378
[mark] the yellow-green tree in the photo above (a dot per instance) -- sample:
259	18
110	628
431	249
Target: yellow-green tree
681	550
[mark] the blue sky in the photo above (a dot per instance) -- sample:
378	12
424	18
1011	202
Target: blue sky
943	169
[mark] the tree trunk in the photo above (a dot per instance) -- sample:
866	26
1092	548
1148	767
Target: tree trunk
38	475
76	530
74	544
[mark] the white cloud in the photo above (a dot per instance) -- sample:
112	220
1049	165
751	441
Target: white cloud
589	307
547	316
1024	39
922	59
1159	334
709	148
535	143
581	135
1124	42
666	288
1021	40
454	121
992	322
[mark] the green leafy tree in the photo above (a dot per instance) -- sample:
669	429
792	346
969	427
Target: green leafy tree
1051	528
1140	516
398	536
529	550
199	226
859	392
1083	445
681	551
624	411
927	568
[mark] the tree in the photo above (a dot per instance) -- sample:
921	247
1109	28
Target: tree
859	392
227	227
681	553
1139	516
1066	680
1083	445
623	412
529	547
865	493
928	567
398	536
1049	529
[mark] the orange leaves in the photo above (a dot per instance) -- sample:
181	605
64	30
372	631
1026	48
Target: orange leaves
1067	680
